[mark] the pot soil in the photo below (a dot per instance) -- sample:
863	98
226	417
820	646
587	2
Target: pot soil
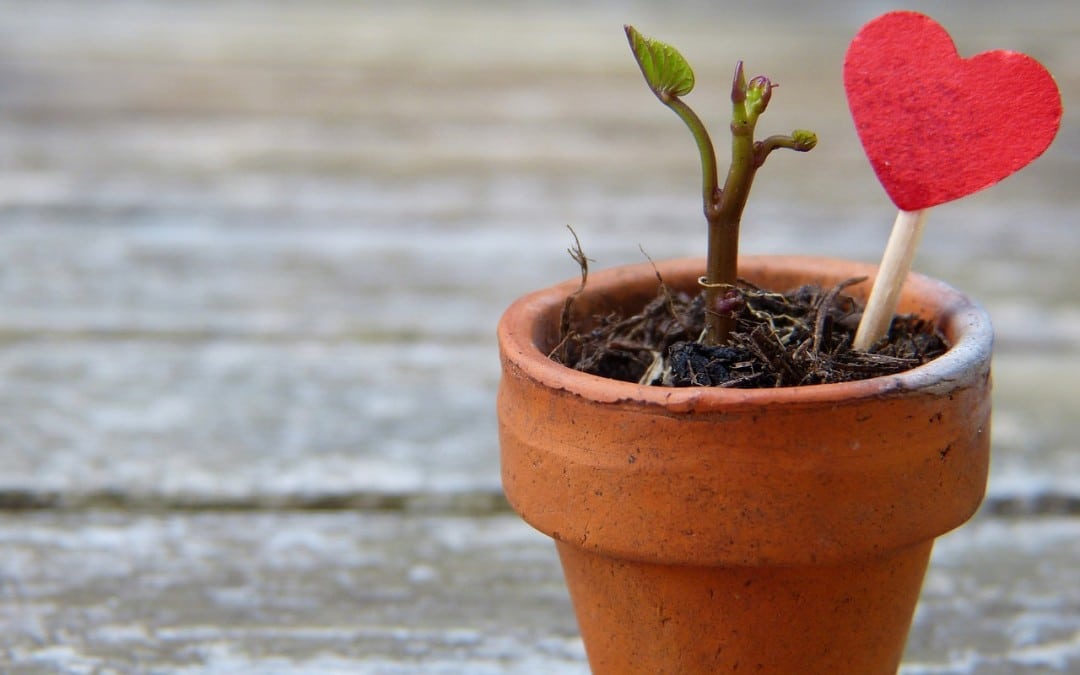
800	337
713	530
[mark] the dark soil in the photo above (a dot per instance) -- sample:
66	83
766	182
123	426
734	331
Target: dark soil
799	337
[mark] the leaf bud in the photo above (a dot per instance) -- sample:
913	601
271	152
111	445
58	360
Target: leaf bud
804	139
758	93
738	85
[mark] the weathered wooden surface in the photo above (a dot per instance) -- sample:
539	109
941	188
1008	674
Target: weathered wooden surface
251	258
392	593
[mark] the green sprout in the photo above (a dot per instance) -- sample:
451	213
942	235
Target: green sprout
670	77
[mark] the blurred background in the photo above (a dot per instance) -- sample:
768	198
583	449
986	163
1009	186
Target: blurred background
252	253
261	247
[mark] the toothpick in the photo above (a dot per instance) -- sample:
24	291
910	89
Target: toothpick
895	265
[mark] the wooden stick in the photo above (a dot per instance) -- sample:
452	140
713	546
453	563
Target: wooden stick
895	265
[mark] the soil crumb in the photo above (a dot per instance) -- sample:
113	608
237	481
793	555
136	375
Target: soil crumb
799	337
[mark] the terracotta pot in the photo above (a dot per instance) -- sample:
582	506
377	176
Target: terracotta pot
750	531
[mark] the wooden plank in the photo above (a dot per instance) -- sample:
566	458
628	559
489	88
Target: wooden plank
152	423
395	593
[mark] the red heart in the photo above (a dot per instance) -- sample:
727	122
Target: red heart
937	127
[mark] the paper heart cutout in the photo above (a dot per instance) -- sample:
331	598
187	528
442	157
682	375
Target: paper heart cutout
935	126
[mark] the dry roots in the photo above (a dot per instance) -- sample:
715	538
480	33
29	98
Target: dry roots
796	338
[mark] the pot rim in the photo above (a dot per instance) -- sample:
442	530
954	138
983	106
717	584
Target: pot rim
965	321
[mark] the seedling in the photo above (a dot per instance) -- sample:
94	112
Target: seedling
670	77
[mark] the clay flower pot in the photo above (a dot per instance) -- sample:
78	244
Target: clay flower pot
750	531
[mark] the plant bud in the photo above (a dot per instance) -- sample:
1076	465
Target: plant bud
738	84
758	93
731	304
804	139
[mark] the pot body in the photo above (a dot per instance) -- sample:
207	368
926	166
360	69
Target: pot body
718	530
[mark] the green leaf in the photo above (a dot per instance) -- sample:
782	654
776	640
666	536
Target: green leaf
665	70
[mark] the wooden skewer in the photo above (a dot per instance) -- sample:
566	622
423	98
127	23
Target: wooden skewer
895	265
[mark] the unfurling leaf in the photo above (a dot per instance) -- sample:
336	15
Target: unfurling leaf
804	140
665	70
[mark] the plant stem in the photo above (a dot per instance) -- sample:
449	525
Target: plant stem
721	214
709	173
724	213
723	207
